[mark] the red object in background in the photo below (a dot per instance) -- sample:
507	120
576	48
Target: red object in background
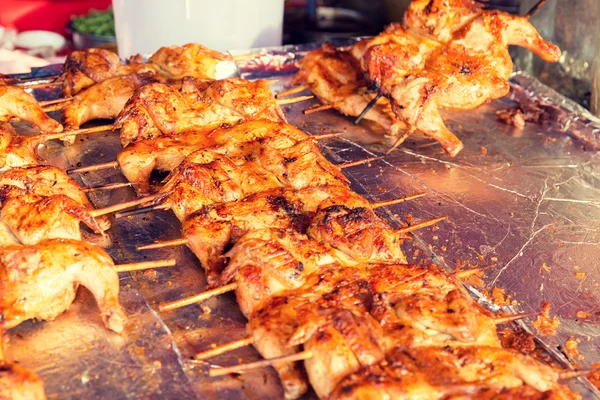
47	15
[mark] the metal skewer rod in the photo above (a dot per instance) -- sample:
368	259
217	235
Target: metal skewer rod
367	108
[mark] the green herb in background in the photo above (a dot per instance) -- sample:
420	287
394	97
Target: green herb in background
95	22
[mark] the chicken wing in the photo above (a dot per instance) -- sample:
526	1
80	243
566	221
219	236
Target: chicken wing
17	103
16	150
40	282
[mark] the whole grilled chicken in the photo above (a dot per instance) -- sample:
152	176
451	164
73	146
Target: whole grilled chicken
158	110
164	154
41	281
17	103
42	202
453	373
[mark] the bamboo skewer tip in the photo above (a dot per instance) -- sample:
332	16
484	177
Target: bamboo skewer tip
304	355
294	90
224	348
292	100
139	266
198	297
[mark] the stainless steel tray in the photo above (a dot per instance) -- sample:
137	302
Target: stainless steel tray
526	200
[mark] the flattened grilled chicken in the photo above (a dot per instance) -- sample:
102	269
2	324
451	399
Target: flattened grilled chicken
15	102
40	282
464	73
84	68
440	19
42	202
16	150
335	78
211	229
18	383
449	373
165	154
157	110
191	59
266	262
206	177
103	100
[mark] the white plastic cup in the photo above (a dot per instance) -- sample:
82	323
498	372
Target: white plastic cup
143	26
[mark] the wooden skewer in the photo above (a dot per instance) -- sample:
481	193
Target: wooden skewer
323	107
56	101
510	318
359	162
162	244
401	139
224	348
41	84
367	108
575	373
197	298
97	167
468	272
423	224
420	225
304	355
385	203
170	262
123	206
325	136
93	129
142	210
292	100
54	107
293	90
109	186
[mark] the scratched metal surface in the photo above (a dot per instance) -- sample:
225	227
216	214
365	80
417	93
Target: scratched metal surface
528	204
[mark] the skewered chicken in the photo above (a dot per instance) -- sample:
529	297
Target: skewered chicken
86	67
212	228
103	100
42	202
16	103
40	282
334	76
16	150
165	154
442	373
159	110
206	177
467	71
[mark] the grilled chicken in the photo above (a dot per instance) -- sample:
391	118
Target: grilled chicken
84	68
463	73
40	282
449	373
206	177
17	103
158	110
165	154
18	383
103	100
43	203
212	228
16	150
335	77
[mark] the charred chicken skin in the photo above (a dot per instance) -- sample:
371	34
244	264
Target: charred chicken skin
18	383
207	177
40	281
44	203
84	68
17	103
165	154
212	228
157	110
16	150
451	373
334	76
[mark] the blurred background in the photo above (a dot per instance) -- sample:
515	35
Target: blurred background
37	32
